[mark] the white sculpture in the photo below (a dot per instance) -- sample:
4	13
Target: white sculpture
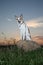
24	30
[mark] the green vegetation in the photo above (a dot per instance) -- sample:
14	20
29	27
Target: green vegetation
16	56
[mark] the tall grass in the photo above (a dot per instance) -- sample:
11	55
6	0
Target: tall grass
16	56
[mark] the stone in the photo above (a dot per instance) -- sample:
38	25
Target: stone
27	45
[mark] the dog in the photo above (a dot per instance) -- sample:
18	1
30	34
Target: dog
24	30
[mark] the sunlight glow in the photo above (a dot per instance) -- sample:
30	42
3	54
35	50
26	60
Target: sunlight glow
35	23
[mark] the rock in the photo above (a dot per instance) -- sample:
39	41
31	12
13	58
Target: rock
28	45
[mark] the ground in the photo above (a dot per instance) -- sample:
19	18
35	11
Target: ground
12	55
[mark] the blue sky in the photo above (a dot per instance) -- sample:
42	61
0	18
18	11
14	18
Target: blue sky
32	11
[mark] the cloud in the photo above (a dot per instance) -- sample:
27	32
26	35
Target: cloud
34	23
9	19
38	39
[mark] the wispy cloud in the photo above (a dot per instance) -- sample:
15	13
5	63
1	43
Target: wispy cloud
34	23
9	19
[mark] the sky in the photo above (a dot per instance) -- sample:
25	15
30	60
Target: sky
32	11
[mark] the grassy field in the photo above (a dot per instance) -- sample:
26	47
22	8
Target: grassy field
15	56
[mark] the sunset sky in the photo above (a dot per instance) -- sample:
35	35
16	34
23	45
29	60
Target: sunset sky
32	11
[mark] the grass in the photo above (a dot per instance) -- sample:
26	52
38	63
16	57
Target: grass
16	56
